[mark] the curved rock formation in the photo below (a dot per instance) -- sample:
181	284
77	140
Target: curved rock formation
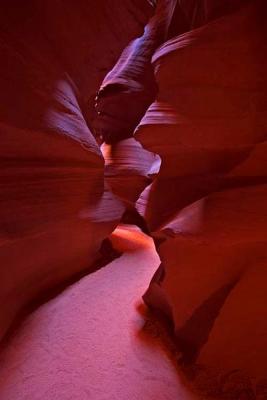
198	157
208	124
129	168
125	94
210	128
129	88
55	210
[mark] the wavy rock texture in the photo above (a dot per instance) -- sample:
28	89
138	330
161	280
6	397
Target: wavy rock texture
55	207
205	136
210	128
208	124
125	94
129	168
129	88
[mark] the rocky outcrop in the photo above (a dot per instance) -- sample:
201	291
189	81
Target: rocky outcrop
55	206
129	88
129	168
125	94
207	207
210	128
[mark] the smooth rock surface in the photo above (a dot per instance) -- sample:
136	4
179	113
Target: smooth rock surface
210	111
208	124
55	208
129	168
91	341
129	88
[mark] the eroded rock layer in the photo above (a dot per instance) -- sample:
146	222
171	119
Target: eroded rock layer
129	88
198	157
124	96
207	207
129	168
55	207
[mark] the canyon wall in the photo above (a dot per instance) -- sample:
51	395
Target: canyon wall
207	207
76	80
56	208
202	167
123	98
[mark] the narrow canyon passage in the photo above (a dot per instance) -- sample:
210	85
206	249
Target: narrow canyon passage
90	342
117	115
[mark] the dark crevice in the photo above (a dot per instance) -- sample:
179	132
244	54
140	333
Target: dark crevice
195	333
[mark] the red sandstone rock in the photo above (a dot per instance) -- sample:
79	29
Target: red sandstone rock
205	120
55	210
208	125
129	88
198	13
129	168
126	92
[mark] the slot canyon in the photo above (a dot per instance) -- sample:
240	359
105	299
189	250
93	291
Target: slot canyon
133	199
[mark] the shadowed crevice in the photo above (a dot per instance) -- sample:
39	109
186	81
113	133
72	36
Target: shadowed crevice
195	333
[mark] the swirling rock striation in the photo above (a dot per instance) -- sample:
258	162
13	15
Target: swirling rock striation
207	207
129	88
55	206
